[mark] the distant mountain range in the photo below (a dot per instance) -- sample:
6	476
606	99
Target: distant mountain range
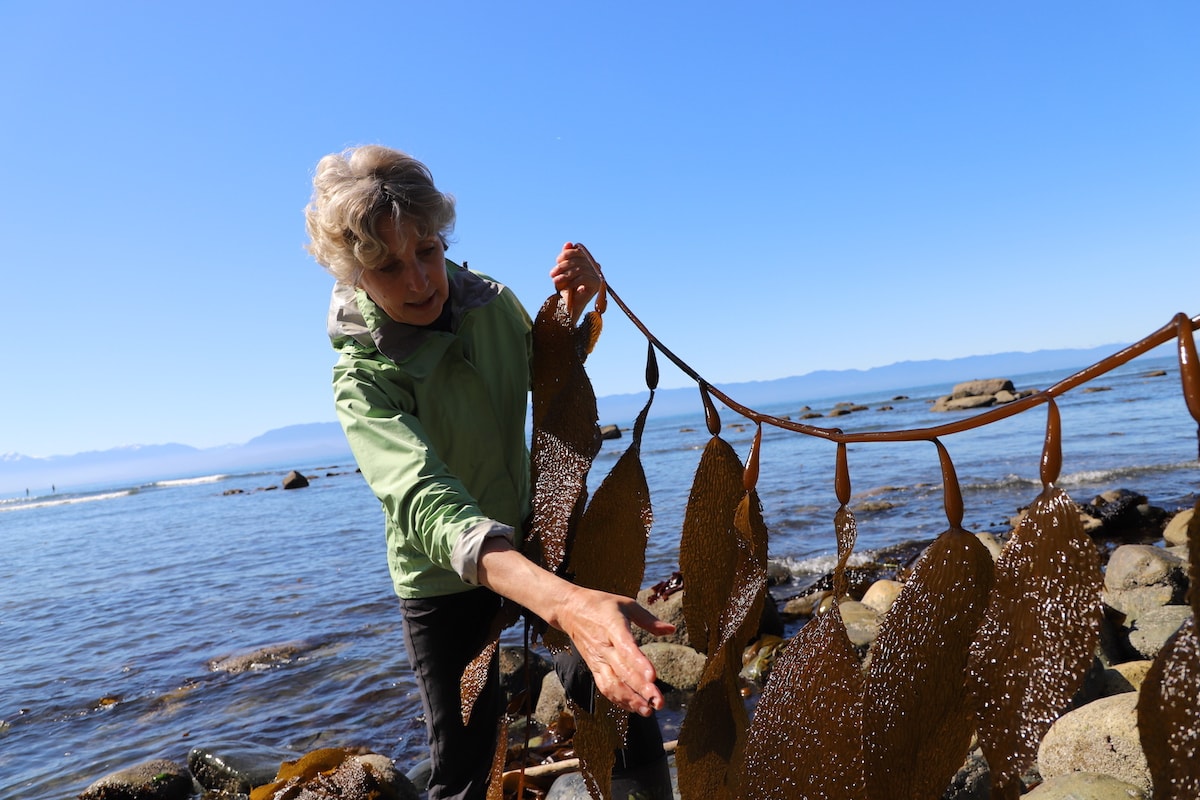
322	443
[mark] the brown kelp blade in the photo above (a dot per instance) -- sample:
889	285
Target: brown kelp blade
566	436
598	736
609	553
1169	716
1169	703
708	543
609	548
916	719
1038	637
806	737
712	738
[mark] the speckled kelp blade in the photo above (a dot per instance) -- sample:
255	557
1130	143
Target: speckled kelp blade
495	789
475	676
1169	702
806	738
598	735
916	719
609	553
708	543
1038	638
565	435
713	735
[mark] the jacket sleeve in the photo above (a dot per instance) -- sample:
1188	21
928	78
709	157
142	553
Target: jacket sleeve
428	508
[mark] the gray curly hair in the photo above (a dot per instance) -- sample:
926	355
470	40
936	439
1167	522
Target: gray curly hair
353	191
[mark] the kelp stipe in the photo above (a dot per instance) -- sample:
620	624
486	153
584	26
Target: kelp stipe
805	740
1169	702
1041	628
916	719
712	738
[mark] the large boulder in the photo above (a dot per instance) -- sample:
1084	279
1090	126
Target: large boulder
1176	531
1141	577
979	394
1101	737
151	780
1086	786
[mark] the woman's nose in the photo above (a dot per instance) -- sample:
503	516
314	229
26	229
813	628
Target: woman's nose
418	276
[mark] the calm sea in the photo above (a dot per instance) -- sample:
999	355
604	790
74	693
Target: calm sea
113	603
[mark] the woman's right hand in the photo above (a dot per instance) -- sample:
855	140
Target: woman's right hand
596	622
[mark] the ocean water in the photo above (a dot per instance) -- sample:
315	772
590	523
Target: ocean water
114	603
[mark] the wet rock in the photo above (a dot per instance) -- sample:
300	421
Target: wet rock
668	609
973	780
263	657
518	674
678	667
1126	677
992	544
981	387
1126	516
552	700
1176	531
1100	737
294	480
1086	786
338	773
862	623
608	432
1151	629
1143	577
235	767
882	594
150	780
979	394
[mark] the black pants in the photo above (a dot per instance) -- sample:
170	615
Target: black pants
442	635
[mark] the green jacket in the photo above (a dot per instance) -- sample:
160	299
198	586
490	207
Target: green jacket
436	421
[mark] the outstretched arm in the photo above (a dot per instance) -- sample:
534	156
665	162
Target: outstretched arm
597	622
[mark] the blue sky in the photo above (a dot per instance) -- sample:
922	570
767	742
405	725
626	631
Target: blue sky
776	189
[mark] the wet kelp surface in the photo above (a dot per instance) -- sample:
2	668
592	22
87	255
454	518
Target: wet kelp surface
970	647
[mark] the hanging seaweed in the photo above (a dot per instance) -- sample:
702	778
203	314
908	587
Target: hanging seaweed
1040	629
609	553
814	696
916	719
1169	702
712	738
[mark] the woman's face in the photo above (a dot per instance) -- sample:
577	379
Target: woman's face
410	285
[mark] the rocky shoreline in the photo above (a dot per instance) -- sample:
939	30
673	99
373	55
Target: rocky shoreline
1092	751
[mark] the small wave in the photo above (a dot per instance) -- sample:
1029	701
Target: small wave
819	565
66	501
1095	476
190	481
1009	481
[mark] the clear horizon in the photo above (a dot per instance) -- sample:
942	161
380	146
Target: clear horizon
774	190
1161	352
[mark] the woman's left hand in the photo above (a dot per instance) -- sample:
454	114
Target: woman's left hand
576	278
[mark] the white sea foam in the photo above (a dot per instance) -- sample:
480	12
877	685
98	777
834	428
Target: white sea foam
63	501
190	481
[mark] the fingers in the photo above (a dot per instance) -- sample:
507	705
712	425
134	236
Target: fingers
620	669
641	617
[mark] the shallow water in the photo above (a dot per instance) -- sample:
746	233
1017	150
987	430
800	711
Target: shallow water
114	602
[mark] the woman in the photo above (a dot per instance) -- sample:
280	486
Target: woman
431	387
